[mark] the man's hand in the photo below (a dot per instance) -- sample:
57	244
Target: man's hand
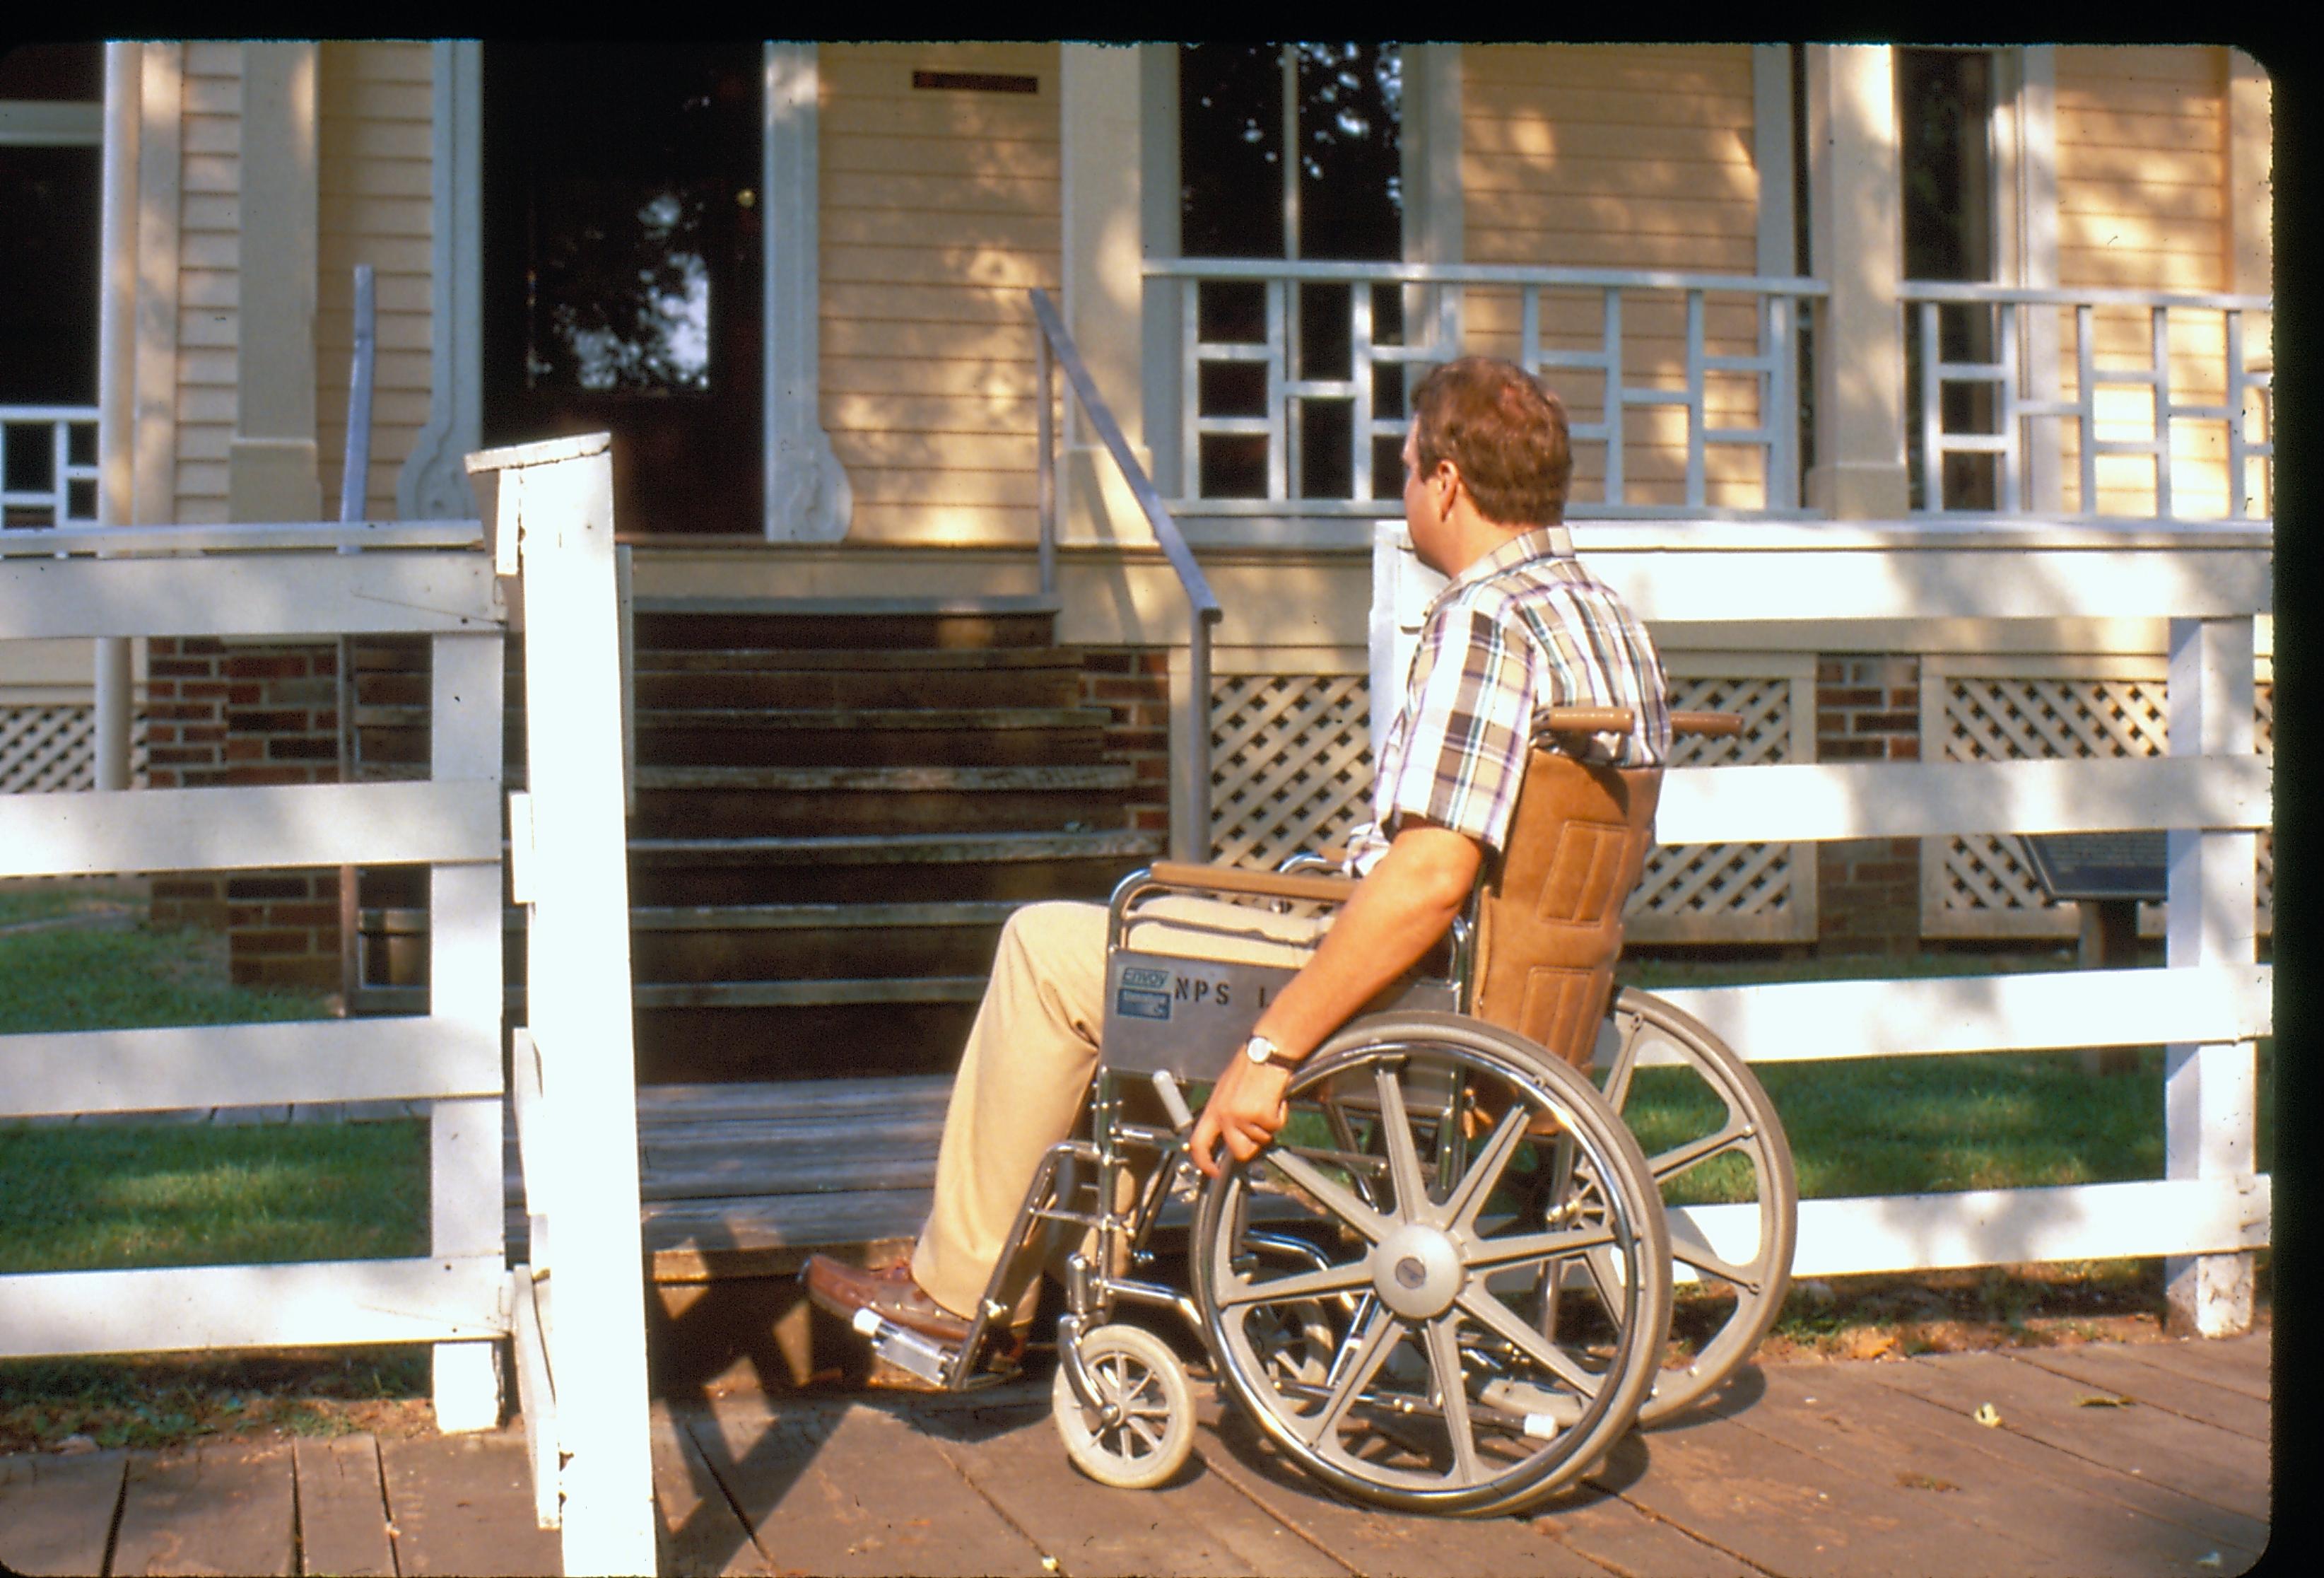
1245	1110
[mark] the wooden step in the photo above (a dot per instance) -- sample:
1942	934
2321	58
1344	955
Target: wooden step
890	624
684	994
774	679
735	801
873	736
866	849
864	868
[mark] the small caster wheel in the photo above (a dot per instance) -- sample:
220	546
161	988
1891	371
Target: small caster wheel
1136	1374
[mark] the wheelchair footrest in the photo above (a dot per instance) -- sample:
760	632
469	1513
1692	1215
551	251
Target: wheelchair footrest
906	1350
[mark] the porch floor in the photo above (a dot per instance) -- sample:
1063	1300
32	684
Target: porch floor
1831	1468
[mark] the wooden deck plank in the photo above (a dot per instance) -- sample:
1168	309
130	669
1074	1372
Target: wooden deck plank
2168	1531
56	1512
2113	1374
222	1508
343	1509
463	1504
1373	1540
1856	1426
2211	1465
1784	1510
1610	1532
2243	1365
850	1489
1195	1526
2077	1476
701	1532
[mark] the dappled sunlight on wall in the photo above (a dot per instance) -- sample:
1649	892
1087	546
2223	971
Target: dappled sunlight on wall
940	208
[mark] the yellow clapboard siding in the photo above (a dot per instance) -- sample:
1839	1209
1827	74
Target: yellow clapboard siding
938	194
870	69
1498	178
941	525
201	371
913	376
1726	254
936	115
1628	145
2162	66
1038	232
345	214
394	256
2165	134
2204	203
884	153
367	177
938	210
844	335
1643	105
919	413
902	449
208	173
991	267
1638	67
214	213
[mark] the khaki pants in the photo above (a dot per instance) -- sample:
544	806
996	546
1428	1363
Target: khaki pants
1032	1055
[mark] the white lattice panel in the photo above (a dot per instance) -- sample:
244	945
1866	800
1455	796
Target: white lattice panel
44	748
1729	893
1291	764
1981	885
1292	772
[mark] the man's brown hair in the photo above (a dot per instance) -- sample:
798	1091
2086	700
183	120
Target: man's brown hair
1505	430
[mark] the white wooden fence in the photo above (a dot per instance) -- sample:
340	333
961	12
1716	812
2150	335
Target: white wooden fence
579	1304
2208	1004
553	523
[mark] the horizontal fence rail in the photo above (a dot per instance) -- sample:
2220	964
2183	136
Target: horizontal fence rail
314	581
2210	795
1998	427
48	466
1308	367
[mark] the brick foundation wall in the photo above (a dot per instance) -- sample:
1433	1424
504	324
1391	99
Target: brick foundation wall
1868	890
1133	684
240	715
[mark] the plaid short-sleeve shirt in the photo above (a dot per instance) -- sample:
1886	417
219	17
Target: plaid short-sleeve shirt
1525	629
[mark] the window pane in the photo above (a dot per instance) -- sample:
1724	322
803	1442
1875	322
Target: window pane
1230	151
1350	170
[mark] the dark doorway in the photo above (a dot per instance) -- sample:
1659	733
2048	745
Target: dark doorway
50	245
624	279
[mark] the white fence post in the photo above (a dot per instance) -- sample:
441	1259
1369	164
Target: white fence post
580	1320
2211	1089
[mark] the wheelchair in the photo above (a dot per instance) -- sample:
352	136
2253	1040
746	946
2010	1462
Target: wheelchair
1447	1286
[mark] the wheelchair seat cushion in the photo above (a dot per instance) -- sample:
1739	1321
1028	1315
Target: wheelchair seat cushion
1549	916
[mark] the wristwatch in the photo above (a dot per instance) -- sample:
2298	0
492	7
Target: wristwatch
1262	1049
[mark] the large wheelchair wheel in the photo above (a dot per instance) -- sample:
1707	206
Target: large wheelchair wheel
1373	1286
1711	1137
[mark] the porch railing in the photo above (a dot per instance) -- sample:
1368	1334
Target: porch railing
1267	360
48	466
2179	380
1190	754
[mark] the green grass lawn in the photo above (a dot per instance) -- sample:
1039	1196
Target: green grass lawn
74	957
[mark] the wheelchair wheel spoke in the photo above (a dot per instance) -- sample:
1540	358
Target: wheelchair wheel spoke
1452	1395
1403	1155
1372	1352
1608	1279
1485	1173
1492	1314
1687	1248
1330	1191
1299	1285
1493	1253
1679	1158
1626	1064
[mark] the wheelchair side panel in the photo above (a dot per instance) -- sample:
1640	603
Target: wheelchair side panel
1186	1017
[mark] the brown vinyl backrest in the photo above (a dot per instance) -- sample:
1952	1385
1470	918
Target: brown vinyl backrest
1549	915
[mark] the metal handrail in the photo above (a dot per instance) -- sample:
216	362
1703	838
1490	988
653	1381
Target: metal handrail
1054	346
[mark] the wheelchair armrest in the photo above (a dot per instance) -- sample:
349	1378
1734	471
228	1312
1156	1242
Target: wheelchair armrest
1237	880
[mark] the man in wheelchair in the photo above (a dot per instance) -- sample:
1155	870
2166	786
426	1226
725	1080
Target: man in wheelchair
1522	627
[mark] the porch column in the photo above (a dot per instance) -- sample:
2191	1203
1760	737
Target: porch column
1857	244
1099	110
271	470
111	681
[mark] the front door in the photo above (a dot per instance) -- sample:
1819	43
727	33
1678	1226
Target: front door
623	269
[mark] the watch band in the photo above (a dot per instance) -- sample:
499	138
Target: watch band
1263	1049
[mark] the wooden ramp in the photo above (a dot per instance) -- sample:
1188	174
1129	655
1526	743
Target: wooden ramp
2126	1459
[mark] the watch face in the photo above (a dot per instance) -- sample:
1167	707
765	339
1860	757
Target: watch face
1258	1049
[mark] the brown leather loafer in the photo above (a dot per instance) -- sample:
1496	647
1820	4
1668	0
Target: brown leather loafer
844	1290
